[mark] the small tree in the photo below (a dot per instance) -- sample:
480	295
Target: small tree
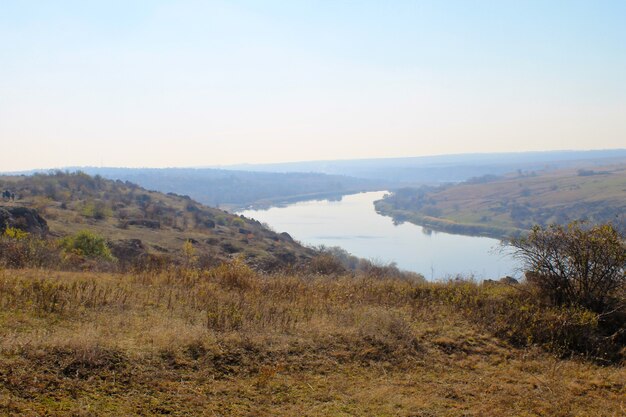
189	254
575	265
87	244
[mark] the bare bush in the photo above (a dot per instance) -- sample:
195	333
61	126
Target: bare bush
575	265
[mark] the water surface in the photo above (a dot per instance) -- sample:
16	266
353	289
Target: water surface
353	224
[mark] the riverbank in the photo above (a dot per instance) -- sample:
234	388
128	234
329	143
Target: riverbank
268	203
512	204
446	225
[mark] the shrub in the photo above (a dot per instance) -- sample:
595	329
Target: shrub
189	254
87	244
326	264
15	233
238	222
96	210
575	265
19	249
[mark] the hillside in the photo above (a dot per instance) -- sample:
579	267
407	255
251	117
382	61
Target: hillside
500	206
136	221
233	189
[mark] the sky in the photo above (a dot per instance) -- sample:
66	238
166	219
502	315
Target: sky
159	83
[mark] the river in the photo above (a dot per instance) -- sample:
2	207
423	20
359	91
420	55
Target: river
353	224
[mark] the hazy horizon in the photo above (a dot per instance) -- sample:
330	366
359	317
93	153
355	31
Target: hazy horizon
205	84
470	155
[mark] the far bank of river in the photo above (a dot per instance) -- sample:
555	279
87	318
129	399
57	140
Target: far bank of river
353	224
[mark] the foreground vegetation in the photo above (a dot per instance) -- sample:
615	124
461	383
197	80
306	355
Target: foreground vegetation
232	342
513	204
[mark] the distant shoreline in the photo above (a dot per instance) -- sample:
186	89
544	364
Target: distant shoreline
283	201
445	225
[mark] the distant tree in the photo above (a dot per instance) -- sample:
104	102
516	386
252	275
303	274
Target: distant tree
96	209
575	264
585	172
237	222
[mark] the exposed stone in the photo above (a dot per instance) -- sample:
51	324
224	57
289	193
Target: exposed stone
22	218
230	248
127	250
509	280
150	224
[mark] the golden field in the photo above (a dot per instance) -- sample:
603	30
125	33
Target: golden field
232	342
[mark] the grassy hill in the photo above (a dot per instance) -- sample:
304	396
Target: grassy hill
123	212
499	206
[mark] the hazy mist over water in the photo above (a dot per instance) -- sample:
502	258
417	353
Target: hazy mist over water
354	225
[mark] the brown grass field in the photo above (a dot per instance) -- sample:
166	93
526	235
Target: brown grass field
232	342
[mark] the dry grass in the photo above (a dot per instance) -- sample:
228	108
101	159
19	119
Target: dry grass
230	342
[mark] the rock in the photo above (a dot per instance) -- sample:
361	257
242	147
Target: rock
286	236
230	248
160	248
150	224
22	218
508	280
127	250
285	257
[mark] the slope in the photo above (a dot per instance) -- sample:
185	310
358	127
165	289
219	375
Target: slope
135	219
499	206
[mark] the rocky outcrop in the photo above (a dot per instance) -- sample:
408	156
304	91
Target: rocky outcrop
150	224
286	237
509	280
22	218
127	250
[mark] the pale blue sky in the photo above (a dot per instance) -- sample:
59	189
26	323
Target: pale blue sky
191	83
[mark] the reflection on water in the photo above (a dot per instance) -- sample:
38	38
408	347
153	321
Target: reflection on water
352	223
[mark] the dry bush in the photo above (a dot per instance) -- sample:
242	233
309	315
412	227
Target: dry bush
575	265
234	275
519	315
326	264
28	251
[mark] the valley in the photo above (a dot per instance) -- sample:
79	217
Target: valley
312	208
